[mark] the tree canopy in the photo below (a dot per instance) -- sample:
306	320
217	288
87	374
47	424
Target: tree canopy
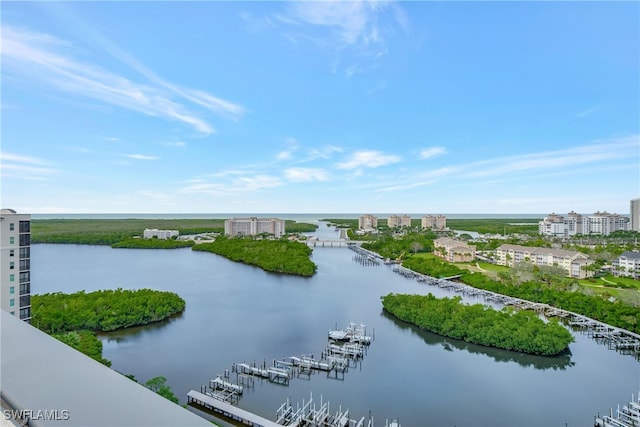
517	330
277	256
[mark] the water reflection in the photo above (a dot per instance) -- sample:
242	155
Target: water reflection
560	362
122	335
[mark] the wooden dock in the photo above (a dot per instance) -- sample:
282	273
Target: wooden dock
627	416
621	340
214	405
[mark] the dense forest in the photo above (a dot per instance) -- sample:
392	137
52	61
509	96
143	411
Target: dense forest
278	256
152	244
614	313
106	310
508	329
432	266
85	342
393	248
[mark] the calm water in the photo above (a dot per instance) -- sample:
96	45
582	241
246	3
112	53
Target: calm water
238	313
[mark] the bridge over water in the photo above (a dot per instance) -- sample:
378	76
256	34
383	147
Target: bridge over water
332	243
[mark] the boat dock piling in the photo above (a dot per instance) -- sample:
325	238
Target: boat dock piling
621	340
345	346
628	416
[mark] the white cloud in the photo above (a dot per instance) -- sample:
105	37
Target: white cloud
140	157
25	167
430	152
41	58
233	185
359	28
175	144
611	150
370	159
306	174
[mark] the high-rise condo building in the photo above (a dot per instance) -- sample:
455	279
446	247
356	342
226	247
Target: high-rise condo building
368	222
437	222
635	214
15	263
399	221
254	226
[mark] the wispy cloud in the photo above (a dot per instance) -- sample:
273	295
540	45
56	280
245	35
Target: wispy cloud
26	167
369	159
234	184
139	157
430	152
175	144
587	112
306	174
604	151
47	59
356	26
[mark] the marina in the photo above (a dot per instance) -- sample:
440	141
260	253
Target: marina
221	393
618	339
627	416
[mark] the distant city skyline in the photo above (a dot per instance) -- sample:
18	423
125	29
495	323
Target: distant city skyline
320	107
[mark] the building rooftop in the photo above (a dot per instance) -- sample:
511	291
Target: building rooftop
52	380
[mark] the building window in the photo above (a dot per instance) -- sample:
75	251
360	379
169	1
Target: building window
25	227
25	276
13	313
25	288
25	253
12	289
25	313
25	239
12	240
25	264
12	252
12	302
11	226
12	277
12	265
25	300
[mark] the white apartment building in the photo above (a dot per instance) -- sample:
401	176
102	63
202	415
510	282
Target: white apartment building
368	222
634	212
434	222
253	226
573	262
399	221
454	250
627	264
150	233
602	223
15	264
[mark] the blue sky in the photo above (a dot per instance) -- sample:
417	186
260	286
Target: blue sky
320	107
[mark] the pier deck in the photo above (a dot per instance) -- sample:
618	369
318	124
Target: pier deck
229	411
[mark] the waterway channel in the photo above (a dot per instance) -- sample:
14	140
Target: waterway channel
237	313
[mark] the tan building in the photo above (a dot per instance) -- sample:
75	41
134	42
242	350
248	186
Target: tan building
15	264
368	222
254	226
454	250
434	222
573	262
399	221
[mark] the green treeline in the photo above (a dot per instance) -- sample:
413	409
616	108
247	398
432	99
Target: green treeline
613	313
508	329
278	256
153	244
106	310
88	231
432	266
390	247
496	225
85	342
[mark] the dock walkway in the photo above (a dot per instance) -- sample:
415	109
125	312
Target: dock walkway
237	414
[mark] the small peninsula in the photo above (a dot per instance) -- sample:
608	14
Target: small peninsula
277	256
507	329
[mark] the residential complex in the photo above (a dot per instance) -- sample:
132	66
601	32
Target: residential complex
15	263
634	212
437	222
399	221
454	250
573	262
572	224
627	264
254	226
368	222
150	233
